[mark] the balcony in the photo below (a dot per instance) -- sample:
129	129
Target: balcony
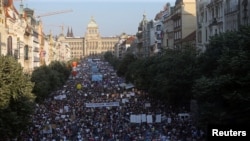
215	21
35	40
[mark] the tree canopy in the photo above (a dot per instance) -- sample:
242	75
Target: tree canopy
223	91
49	78
218	79
16	98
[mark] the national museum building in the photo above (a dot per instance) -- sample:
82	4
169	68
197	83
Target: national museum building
91	44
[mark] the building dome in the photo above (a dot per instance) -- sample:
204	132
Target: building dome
92	23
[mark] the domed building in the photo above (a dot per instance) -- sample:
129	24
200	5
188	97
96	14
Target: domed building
91	44
94	43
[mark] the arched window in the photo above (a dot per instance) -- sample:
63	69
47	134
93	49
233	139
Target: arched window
9	46
26	52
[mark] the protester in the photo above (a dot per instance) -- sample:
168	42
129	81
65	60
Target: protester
96	105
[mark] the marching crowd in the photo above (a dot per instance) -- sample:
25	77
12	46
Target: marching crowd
99	108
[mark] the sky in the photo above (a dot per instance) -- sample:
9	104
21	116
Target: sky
112	16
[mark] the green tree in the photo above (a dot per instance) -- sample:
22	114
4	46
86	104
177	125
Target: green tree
62	69
42	87
168	77
16	98
48	78
177	72
126	61
223	95
113	60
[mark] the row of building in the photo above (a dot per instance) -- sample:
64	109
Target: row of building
22	36
188	22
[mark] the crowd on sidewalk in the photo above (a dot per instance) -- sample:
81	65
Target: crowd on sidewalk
92	107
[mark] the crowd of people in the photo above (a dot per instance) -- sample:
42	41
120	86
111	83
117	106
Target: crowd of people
97	105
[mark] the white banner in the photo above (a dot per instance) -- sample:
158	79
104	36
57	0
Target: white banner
138	118
149	119
60	97
66	108
143	118
147	105
133	118
106	104
158	118
124	100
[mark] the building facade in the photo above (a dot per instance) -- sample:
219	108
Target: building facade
176	25
168	27
76	46
143	38
94	44
122	46
90	45
218	16
22	37
244	6
184	20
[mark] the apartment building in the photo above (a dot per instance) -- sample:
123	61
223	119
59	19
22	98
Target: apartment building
142	50
218	16
123	45
22	37
148	38
184	20
168	27
244	6
178	24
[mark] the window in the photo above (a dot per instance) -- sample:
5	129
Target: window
216	12
206	34
26	52
9	46
158	27
199	37
206	16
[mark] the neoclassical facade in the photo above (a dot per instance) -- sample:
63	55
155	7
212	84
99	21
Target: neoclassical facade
91	44
95	44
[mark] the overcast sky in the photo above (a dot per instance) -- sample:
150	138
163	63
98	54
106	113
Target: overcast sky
112	16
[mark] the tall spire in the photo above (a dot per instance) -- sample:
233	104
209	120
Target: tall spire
68	34
71	33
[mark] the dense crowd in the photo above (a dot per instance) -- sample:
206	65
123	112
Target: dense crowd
102	108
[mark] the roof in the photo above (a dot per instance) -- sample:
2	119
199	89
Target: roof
10	10
130	40
92	23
